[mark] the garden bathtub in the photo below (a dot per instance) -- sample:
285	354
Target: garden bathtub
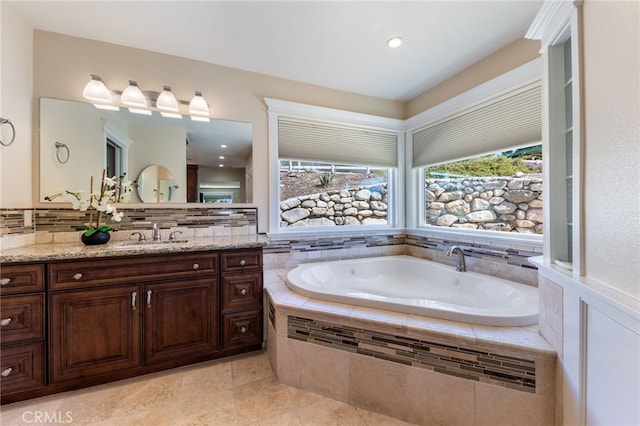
411	285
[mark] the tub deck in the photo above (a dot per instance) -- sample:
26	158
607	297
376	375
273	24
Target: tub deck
333	348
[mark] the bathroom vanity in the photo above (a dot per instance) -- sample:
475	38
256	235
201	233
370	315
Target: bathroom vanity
95	316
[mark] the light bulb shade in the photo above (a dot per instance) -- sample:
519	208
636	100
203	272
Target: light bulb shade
198	106
166	101
96	91
132	96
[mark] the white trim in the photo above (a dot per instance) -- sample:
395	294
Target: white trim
528	242
120	139
395	184
507	82
552	17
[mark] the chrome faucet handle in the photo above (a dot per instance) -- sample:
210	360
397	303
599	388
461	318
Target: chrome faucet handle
141	236
172	235
157	236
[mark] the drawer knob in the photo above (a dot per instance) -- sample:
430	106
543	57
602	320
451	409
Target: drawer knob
6	372
243	330
77	276
243	291
243	262
5	281
5	321
196	266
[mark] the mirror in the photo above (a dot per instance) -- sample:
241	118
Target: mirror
121	141
155	184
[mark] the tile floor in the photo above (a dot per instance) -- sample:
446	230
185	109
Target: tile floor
238	391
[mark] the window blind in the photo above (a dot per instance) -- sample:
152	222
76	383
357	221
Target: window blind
510	120
316	141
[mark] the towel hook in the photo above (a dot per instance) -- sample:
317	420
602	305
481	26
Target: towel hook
13	131
59	146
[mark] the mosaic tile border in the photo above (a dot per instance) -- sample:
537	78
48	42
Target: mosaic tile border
486	367
334	242
12	222
480	251
66	220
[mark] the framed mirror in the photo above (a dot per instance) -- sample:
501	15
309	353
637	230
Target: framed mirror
210	161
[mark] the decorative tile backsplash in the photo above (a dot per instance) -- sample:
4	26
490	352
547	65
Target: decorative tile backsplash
486	367
66	220
12	222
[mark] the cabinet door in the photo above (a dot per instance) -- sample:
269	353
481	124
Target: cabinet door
181	318
94	332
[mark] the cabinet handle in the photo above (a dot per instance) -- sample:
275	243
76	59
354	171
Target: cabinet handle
133	300
77	276
243	291
148	298
243	330
196	266
243	262
6	372
5	281
5	321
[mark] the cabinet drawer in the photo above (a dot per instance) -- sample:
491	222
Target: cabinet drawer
21	278
22	367
81	274
242	291
242	329
237	261
22	317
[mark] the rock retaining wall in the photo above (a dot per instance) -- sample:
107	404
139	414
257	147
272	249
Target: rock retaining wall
357	206
510	204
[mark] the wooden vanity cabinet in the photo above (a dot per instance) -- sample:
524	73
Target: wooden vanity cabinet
22	328
111	315
69	324
241	298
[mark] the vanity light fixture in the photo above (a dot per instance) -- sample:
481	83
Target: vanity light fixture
167	103
97	92
132	97
198	108
394	42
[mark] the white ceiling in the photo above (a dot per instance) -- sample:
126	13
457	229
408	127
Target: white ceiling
336	44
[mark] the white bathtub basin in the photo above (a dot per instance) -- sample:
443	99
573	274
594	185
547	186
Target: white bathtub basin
416	286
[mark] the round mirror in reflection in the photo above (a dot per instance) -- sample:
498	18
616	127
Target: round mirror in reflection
155	184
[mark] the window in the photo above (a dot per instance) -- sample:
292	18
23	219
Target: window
497	192
477	158
326	194
333	168
557	26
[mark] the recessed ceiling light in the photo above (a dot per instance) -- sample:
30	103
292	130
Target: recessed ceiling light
221	157
223	146
221	165
394	42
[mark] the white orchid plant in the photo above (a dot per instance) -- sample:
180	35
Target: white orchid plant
112	190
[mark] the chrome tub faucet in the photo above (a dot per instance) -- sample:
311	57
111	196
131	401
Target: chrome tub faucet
461	266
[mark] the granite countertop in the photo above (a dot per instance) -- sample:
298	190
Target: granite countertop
77	250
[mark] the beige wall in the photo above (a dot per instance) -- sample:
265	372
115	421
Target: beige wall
612	143
16	179
62	66
509	57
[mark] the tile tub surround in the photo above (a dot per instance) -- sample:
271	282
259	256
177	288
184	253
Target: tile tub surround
419	393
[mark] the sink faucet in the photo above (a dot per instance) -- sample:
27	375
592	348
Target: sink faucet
460	264
156	232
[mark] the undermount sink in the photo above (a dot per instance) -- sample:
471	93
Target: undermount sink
141	244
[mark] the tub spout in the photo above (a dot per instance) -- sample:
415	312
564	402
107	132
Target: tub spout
460	264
